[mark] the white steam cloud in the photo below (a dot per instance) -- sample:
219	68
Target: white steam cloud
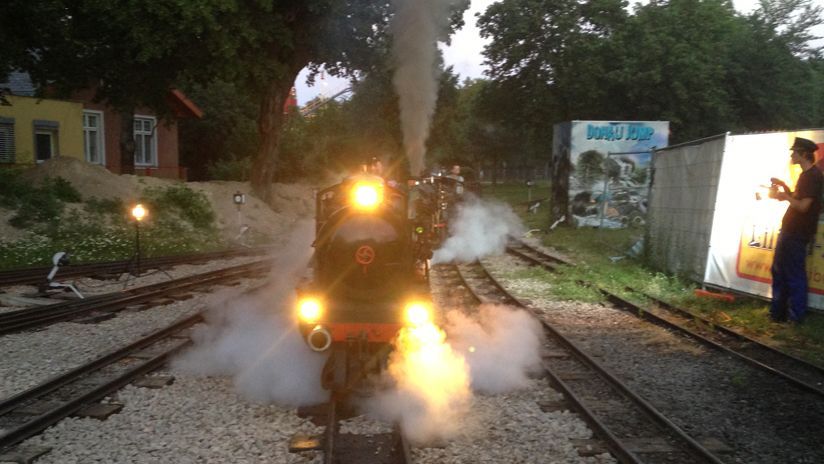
501	347
480	229
434	380
253	339
415	28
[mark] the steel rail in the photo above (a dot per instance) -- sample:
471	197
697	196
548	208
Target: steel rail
615	444
37	275
16	321
814	374
41	422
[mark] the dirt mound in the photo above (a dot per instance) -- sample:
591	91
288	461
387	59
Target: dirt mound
92	180
290	202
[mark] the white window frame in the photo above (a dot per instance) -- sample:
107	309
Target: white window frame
101	136
50	128
152	134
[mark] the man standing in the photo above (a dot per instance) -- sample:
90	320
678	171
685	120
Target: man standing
455	174
789	286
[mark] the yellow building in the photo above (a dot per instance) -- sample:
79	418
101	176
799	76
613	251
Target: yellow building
33	130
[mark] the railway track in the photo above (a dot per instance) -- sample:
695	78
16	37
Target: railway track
32	411
40	316
633	430
800	373
350	448
37	275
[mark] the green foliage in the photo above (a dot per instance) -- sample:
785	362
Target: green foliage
180	221
226	135
35	204
167	204
104	206
95	238
236	169
61	189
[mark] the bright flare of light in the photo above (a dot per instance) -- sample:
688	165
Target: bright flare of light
417	314
367	195
138	212
425	367
309	310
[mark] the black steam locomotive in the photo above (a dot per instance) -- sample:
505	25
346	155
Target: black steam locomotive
369	275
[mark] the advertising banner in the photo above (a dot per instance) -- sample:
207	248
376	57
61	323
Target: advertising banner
610	163
746	221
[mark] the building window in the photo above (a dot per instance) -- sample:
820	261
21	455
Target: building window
6	140
45	140
93	137
145	139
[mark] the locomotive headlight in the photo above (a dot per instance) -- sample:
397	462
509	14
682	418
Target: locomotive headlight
418	313
309	310
367	195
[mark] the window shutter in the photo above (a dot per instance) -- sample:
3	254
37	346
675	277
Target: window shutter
6	140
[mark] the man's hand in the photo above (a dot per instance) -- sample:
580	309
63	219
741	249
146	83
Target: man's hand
782	196
780	183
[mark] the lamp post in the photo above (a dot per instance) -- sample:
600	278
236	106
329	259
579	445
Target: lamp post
529	185
138	213
239	199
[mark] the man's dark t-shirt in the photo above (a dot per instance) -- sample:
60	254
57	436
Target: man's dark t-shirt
796	223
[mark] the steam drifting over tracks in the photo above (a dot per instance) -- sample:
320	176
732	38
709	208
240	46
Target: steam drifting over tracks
26	319
632	428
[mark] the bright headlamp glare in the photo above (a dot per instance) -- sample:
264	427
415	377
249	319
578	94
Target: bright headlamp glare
417	313
309	310
367	195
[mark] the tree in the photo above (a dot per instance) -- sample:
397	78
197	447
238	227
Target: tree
590	167
137	50
131	52
226	134
342	35
549	61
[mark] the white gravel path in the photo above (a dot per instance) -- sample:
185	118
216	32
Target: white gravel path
30	358
203	420
194	420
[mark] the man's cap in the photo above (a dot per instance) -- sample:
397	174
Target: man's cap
805	145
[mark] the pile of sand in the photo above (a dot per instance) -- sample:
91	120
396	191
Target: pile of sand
289	202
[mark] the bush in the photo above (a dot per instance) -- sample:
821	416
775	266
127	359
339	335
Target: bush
234	168
181	221
105	206
35	204
189	205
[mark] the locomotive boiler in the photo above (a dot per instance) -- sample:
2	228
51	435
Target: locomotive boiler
368	279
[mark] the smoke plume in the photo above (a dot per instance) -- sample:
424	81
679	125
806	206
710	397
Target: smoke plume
480	229
433	376
253	339
501	346
431	396
415	28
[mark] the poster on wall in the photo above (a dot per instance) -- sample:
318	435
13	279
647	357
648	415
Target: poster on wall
747	221
610	168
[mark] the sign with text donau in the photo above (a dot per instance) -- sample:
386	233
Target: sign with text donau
609	160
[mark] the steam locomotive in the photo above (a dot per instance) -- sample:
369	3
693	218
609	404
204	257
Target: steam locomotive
369	274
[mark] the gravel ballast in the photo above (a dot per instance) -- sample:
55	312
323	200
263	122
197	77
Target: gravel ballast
761	418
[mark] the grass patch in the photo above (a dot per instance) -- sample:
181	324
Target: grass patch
180	221
517	196
602	256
